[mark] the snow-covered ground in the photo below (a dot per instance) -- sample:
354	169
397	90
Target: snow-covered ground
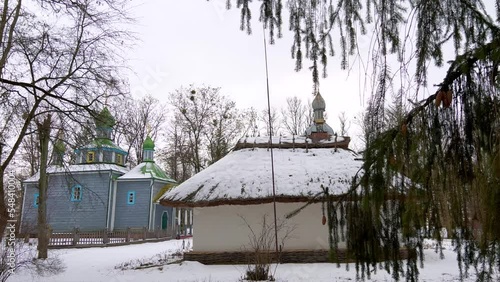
103	264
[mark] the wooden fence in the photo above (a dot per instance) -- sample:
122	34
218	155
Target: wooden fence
104	237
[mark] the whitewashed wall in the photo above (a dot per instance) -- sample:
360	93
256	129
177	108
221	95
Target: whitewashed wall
222	228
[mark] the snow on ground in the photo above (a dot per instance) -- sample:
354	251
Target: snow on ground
99	264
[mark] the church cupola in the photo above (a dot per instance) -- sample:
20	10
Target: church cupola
58	152
102	150
148	148
319	130
104	123
319	106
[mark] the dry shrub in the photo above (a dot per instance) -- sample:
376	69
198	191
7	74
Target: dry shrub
262	248
18	255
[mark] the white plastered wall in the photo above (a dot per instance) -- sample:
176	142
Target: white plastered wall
223	228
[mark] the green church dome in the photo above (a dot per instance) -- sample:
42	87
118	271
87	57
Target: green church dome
59	147
148	144
104	119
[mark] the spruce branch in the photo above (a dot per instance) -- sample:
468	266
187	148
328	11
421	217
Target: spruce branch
462	65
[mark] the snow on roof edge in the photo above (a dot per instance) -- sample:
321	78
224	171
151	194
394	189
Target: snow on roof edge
77	168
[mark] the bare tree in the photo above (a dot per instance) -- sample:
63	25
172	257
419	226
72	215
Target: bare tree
274	123
29	153
294	116
176	154
310	114
138	118
66	66
209	120
344	124
250	121
193	110
224	130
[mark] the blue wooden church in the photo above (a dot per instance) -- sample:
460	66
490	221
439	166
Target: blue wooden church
98	191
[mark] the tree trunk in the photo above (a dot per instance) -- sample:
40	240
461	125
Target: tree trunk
43	235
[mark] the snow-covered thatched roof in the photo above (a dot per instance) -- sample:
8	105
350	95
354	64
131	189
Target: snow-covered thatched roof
244	176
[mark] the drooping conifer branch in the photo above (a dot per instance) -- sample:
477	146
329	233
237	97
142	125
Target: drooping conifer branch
462	65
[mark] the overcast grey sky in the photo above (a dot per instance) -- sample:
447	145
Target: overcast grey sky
197	41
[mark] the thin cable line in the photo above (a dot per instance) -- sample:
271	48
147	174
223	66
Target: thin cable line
271	147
